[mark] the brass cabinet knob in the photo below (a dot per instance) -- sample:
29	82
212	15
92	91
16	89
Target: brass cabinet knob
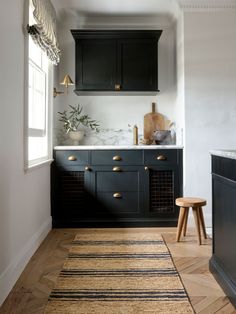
146	168
87	168
117	158
117	195
116	169
72	158
161	157
117	87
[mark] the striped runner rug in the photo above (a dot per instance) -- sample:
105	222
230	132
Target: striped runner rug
118	273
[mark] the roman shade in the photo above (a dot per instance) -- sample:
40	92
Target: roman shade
43	32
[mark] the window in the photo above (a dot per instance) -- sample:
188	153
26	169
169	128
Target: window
38	118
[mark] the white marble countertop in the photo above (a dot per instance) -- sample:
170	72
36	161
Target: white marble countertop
226	153
106	147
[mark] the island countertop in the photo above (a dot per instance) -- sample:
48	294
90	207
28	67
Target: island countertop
226	153
118	147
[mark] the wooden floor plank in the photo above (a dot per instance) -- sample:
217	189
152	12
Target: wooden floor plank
30	293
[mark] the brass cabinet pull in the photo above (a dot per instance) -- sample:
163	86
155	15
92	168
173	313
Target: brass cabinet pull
117	87
116	169
117	158
87	168
117	195
72	158
161	157
146	168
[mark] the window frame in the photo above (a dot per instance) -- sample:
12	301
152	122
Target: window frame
44	160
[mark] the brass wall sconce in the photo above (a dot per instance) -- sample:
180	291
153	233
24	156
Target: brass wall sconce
66	82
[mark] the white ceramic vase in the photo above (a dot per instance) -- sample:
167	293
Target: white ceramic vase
76	136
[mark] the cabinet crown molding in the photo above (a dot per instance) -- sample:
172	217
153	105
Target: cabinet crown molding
207	4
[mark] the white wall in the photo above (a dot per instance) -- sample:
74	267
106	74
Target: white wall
116	112
210	94
180	101
24	198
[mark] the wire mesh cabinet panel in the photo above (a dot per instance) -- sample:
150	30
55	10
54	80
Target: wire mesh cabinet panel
162	188
71	194
161	193
163	181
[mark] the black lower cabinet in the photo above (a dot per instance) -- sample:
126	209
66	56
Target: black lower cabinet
71	194
223	261
115	188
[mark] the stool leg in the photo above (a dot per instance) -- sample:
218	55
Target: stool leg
202	222
197	223
185	221
180	223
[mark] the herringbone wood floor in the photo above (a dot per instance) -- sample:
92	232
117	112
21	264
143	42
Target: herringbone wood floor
33	287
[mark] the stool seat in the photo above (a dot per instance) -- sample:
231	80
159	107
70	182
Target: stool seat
190	202
185	203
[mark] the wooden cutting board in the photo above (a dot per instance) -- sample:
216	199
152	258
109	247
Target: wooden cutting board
153	121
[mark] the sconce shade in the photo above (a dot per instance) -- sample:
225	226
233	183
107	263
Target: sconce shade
67	81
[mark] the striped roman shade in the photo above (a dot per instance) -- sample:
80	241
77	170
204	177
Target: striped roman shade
43	32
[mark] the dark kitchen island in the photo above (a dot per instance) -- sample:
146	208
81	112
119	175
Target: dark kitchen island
223	261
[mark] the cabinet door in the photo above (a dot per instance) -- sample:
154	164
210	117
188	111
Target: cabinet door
118	194
71	193
161	190
95	64
137	64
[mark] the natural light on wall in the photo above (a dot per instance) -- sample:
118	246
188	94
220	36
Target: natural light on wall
39	95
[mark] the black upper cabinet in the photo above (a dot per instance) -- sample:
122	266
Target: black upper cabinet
137	64
116	60
95	64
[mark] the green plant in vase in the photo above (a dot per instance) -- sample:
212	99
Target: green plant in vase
74	120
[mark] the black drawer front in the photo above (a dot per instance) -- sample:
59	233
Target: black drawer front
111	205
224	167
160	157
116	157
117	181
72	158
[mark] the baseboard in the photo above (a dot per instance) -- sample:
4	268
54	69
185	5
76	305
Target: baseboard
11	274
209	232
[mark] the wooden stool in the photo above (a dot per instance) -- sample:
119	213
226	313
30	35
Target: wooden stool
196	204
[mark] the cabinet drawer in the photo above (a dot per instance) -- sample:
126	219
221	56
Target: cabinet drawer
116	157
120	181
127	202
160	157
72	157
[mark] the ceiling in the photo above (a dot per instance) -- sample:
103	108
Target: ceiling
117	7
69	10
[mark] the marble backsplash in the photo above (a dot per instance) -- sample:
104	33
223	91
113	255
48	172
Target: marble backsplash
106	137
